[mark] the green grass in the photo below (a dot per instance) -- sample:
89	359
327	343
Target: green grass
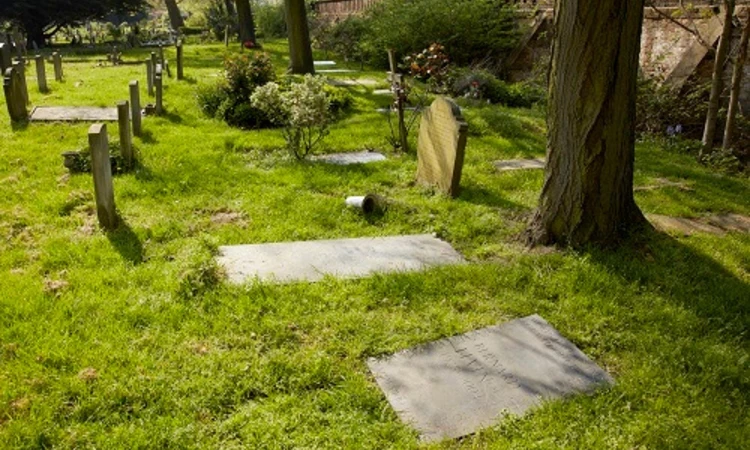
127	339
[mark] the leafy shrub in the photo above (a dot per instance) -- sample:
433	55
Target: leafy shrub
345	38
659	107
270	20
340	99
431	65
303	111
217	18
244	73
480	84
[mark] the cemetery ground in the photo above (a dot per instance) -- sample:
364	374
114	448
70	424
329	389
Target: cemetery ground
132	339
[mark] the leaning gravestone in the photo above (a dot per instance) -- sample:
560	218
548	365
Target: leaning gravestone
14	96
453	387
441	147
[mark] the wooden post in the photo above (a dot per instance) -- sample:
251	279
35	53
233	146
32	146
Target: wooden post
150	77
126	140
159	90
57	60
135	107
101	167
41	75
20	66
180	74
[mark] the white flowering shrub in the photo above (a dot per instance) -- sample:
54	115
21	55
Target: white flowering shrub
303	112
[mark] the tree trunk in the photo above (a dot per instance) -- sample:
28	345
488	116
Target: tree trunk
175	17
34	33
717	80
588	190
246	23
300	49
230	7
734	99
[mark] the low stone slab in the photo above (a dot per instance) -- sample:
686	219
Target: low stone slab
346	258
324	63
455	386
336	71
382	92
73	114
719	224
388	110
345	159
520	164
353	83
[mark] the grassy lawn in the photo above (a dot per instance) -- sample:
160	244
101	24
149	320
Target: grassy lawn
129	340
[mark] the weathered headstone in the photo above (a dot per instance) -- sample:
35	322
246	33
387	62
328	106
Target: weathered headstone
442	143
135	107
14	96
20	66
5	56
150	77
455	386
101	167
126	140
41	75
57	61
159	87
180	72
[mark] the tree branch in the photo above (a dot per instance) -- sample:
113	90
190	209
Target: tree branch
693	31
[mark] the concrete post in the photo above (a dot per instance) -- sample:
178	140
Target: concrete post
150	77
101	167
180	73
135	107
126	140
57	59
41	75
159	90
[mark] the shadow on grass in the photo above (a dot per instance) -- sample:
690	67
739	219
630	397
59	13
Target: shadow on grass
479	195
20	126
147	137
172	117
126	242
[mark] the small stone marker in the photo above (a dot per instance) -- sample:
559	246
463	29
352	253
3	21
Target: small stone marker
180	72
159	87
150	77
57	62
14	95
101	167
345	159
20	66
5	56
135	107
348	258
455	386
41	75
126	140
520	164
73	114
441	147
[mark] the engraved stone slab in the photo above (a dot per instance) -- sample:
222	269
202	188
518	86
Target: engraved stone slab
455	386
73	114
520	164
345	159
346	258
441	146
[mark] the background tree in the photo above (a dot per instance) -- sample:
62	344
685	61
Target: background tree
175	16
246	22
734	98
300	49
41	19
588	189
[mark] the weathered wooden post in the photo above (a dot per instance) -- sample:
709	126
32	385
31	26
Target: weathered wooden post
20	66
41	75
57	60
101	167
180	73
126	140
150	77
14	97
159	90
135	107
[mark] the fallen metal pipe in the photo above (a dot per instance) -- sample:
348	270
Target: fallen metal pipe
367	204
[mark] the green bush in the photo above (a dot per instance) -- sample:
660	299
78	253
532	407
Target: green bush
481	84
659	107
270	20
345	38
341	99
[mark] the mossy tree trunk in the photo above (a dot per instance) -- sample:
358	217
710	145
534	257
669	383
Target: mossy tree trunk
737	75
175	16
588	190
300	49
246	22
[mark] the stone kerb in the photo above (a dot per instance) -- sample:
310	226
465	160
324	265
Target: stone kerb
442	144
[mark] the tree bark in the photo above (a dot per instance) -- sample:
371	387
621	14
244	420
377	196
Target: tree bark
734	98
300	49
588	190
717	80
246	23
175	17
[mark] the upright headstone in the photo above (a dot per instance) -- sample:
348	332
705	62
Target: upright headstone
20	66
5	56
101	167
441	147
180	73
135	107
150	77
159	87
126	140
41	75
14	98
57	61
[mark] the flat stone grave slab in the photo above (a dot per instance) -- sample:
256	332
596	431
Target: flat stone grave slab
353	83
387	110
455	386
346	258
345	159
336	71
520	164
73	114
382	92
324	63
